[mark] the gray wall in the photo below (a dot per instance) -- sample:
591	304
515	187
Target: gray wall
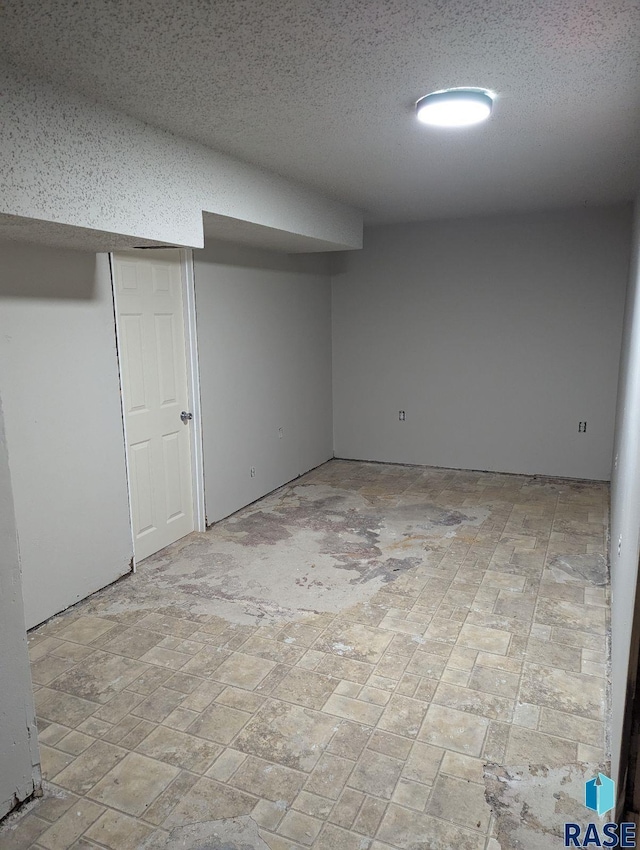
495	335
19	761
264	341
59	383
625	500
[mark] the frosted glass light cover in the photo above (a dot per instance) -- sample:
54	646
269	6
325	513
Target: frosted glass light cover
454	108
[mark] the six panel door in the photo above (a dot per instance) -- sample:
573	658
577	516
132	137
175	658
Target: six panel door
153	365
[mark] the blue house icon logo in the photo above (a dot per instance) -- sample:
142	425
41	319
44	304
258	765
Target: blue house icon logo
600	794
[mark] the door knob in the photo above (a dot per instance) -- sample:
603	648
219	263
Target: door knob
186	416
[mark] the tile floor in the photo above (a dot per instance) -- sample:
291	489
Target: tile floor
365	728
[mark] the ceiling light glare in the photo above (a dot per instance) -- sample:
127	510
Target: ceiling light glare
455	107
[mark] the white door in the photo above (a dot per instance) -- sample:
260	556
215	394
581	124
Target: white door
149	307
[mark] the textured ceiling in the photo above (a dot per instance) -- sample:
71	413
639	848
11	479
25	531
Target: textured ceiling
322	90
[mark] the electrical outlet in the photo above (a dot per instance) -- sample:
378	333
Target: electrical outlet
402	415
582	427
252	472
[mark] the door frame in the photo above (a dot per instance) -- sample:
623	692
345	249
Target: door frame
193	380
187	277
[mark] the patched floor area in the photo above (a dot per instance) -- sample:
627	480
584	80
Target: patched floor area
333	667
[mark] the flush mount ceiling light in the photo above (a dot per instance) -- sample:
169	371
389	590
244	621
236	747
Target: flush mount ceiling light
455	107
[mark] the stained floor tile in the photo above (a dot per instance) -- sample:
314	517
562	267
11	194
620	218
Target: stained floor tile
416	624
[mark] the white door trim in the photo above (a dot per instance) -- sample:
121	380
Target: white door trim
193	382
124	420
193	378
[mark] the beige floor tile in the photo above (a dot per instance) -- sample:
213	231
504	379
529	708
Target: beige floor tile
329	776
493	681
572	693
90	766
573	727
453	676
23	833
464	767
369	816
49	667
272	650
118	831
353	709
461	802
443	631
166	802
553	654
210	800
346	809
314	805
412	795
406	829
180	719
334	838
206	662
345	668
300	827
149	681
52	761
403	716
267	814
66	830
376	774
474	702
529	747
133	784
369	728
226	765
163	657
167	625
243	671
558	612
349	740
158	706
51	733
101	678
179	749
350	689
427	665
355	641
54	803
219	723
63	708
74	743
484	639
85	630
133	642
390	745
392	666
241	699
305	687
454	730
423	763
287	734
267	780
202	696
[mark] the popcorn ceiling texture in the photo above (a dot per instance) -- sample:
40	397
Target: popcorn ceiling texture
68	161
324	92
